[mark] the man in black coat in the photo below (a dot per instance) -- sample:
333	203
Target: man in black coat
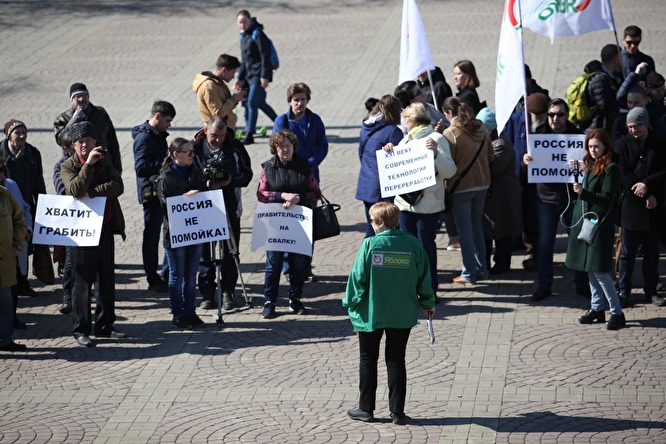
642	162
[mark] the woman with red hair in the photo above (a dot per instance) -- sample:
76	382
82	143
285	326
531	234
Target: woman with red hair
597	204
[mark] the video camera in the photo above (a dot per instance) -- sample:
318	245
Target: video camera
215	172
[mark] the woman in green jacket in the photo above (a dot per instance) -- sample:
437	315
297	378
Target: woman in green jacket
388	284
596	202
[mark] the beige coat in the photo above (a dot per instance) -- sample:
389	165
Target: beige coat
214	99
12	236
464	145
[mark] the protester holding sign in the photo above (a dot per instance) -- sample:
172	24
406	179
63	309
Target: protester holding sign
379	128
179	177
472	151
420	216
596	205
287	179
88	173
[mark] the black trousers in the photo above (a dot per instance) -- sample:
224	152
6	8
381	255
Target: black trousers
89	265
396	345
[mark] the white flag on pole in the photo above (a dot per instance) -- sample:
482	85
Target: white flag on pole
510	80
415	56
566	18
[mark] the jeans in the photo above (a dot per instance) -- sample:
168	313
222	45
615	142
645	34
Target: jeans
450	224
298	264
6	316
630	242
94	265
602	285
256	100
152	222
394	355
183	265
423	227
468	214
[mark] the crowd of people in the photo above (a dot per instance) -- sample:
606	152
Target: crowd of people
481	196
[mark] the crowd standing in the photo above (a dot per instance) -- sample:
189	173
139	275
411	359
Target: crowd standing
482	196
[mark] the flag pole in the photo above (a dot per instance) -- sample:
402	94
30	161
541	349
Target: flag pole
432	91
522	48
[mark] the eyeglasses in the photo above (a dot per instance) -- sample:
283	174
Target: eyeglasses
634	126
632	42
556	114
188	152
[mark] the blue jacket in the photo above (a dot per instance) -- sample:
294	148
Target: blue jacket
373	137
312	141
631	61
150	149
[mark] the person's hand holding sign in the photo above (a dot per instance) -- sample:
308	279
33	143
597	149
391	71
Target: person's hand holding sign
290	199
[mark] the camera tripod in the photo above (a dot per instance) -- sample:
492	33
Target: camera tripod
232	246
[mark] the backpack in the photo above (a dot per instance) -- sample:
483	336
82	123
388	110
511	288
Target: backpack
275	60
578	99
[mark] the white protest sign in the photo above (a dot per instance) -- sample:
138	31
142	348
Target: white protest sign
551	154
65	220
278	229
196	219
408	168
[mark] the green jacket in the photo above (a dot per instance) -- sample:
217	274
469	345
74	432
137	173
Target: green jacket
388	283
598	197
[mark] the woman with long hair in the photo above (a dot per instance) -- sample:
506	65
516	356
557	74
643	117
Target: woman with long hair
597	203
466	80
379	127
467	137
180	177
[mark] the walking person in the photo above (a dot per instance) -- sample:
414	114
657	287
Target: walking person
384	298
596	202
255	72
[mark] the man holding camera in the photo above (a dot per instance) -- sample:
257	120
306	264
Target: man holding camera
226	166
150	149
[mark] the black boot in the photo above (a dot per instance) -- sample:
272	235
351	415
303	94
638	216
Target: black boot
590	316
616	322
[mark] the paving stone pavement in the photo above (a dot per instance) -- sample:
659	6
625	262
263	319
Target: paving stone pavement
502	369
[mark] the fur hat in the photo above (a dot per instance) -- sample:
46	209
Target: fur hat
12	125
81	130
77	88
537	103
638	115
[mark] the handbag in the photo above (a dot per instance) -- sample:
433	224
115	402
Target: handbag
412	198
42	267
589	230
448	196
325	220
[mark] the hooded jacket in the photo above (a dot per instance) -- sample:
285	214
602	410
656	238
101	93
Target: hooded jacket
601	91
214	98
255	55
150	150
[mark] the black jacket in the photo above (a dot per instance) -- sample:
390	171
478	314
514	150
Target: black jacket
150	150
646	164
26	171
601	90
255	55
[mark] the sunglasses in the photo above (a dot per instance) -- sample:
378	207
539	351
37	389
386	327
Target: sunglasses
556	114
632	42
188	152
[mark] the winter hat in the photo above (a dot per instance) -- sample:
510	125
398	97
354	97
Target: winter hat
537	103
638	115
81	130
77	88
654	80
487	117
12	125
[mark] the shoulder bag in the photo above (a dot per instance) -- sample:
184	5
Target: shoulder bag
325	220
448	197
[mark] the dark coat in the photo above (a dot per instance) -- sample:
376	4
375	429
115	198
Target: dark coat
373	137
171	183
646	164
601	89
439	85
598	197
255	56
503	213
26	171
150	149
471	97
106	133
